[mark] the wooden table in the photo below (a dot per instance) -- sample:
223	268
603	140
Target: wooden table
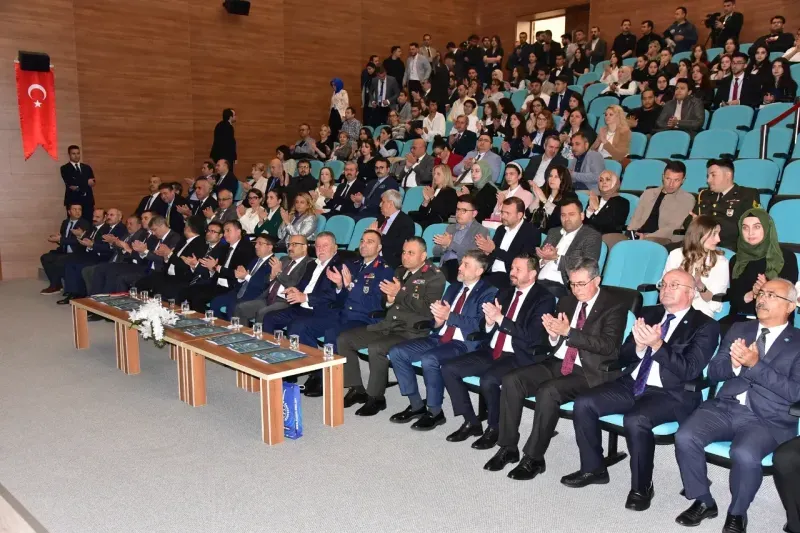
126	336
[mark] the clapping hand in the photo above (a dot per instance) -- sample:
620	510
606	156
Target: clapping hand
287	218
594	201
547	252
139	246
240	272
347	276
335	276
77	232
485	244
556	326
761	279
373	226
427	193
537	191
54	239
295	296
190	261
275	266
240	210
163	251
443	240
184	210
86	242
209	263
357	198
109	238
390	288
646	336
440	311
743	355
493	312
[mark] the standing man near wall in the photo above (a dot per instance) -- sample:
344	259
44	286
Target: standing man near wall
79	182
224	146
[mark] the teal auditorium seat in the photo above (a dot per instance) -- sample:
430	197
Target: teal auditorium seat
790	184
695	175
358	230
342	227
523	163
598	106
412	199
589	77
633	101
681	55
712	53
417	230
404	146
321	222
668	145
613	166
778	144
316	166
337	167
712	144
430	231
761	174
600	67
738	118
634	264
638	144
633	200
518	98
771	112
592	92
643	173
784	214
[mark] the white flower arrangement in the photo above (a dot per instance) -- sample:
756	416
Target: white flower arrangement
151	318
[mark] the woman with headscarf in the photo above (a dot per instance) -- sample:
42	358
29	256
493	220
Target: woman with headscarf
607	211
482	190
339	104
759	258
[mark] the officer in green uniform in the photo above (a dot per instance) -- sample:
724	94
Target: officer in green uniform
724	201
416	285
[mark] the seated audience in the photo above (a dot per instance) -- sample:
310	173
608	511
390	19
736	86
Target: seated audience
540	166
515	187
303	182
417	167
684	71
780	82
203	205
395	227
270	219
738	88
323	149
367	203
257	178
483	152
284	154
461	140
512	238
722	70
326	188
663	90
614	139
776	40
624	86
172	201
342	202
586	165
73	228
226	180
683	112
607	211
304	147
148	256
366	159
350	125
578	123
345	148
452	245
611	70
482	190
643	119
250	216
152	202
434	123
225	210
301	220
702	88
545	208
540	126
438	199
96	276
793	54
385	145
443	155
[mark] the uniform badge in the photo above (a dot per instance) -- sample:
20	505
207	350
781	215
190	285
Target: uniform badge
366	289
416	295
729	212
425	268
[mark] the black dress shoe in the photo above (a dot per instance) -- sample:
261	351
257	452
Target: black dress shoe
735	524
696	513
313	386
353	397
372	407
527	469
428	421
639	501
504	456
65	300
467	430
487	440
578	480
407	415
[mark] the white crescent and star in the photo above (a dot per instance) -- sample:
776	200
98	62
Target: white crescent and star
35	87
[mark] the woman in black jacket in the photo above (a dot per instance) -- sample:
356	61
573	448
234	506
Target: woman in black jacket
439	201
607	211
545	210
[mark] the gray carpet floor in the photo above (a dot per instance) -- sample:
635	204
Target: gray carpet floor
88	449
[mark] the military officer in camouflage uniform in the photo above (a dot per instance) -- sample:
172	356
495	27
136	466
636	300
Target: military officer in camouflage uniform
724	201
416	285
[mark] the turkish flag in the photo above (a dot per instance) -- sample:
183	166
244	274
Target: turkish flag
36	95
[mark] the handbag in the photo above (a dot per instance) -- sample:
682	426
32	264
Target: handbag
292	411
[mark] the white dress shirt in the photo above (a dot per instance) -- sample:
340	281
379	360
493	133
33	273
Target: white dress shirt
590	213
222	282
318	270
508	238
507	347
540	176
457	335
774	333
282	289
411	179
435	125
413	70
740	77
678	109
550	268
654	377
717	281
171	269
152	199
562	350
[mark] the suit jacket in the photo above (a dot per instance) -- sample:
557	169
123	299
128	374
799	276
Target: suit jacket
587	243
693	115
364	297
71	177
423	68
601	336
242	255
619	146
120	255
553	105
466	243
68	239
341	204
731	28
423	171
593	165
536	161
413	303
224	146
198	206
324	292
175	219
599	52
102	250
223	217
372	196
527	331
171	240
258	280
228	182
391	91
465	144
439	209
286	278
201	274
157	205
471	318
565	71
401	229
610	219
175	265
749	91
683	357
527	239
772	384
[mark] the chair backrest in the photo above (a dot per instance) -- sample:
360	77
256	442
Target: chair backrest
522	162
784	214
770	112
633	200
316	166
635	263
600	67
337	167
629	61
778	143
321	223
711	144
695	175
795	70
613	166
745	47
667	144
631	297
577	88
583	196
518	98
417	230
603	254
790	184
712	53
378	129
633	101
342	227
430	231
497	141
731	117
412	199
638	144
756	173
598	106
775	55
643	173
592	92
404	146
589	77
681	55
358	230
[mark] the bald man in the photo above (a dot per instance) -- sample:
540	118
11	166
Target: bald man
417	168
277	176
669	346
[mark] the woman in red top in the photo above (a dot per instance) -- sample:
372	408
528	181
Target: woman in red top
444	156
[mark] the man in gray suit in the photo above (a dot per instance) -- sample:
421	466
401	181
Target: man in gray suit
383	94
458	238
587	165
286	272
417	169
564	245
418	69
462	172
684	112
226	211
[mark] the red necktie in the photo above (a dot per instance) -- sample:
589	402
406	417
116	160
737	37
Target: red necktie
451	330
735	89
572	352
501	337
380	230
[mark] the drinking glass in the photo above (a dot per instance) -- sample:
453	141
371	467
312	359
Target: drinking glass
144	296
236	323
209	316
258	329
134	293
328	353
157	298
278	334
185	309
294	342
171	302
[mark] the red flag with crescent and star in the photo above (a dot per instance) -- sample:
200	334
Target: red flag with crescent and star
36	95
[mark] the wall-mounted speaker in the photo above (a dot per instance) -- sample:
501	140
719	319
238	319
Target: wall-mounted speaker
237	7
35	61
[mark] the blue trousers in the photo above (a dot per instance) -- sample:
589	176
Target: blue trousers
73	280
724	419
432	353
311	328
284	318
228	301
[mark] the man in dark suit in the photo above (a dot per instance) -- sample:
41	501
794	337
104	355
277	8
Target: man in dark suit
303	182
226	180
456	316
152	201
511	239
79	181
342	202
102	272
739	88
252	280
171	202
669	346
689	118
205	205
417	169
728	24
101	255
146	256
584	333
224	145
786	464
416	286
462	141
759	363
368	203
561	69
395	227
72	228
559	101
240	252
514	325
539	167
177	274
573	240
383	92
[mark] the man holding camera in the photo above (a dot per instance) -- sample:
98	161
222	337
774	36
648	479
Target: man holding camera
726	24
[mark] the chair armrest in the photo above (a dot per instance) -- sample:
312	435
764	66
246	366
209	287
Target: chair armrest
696	385
631	156
794	409
720	298
378	314
478	336
782	155
743	128
726	155
423	325
678	156
646	287
679	231
612	365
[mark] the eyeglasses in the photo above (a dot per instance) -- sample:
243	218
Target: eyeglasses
769	296
580	284
673	285
295	244
213	231
460	210
226	199
254	197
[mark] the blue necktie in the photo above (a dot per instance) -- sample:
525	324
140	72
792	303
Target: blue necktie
243	288
647	361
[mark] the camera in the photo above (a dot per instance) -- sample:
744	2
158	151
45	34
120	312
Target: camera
711	19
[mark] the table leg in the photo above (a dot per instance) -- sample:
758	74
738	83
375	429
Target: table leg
80	328
127	344
333	395
272	411
247	382
173	352
191	377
